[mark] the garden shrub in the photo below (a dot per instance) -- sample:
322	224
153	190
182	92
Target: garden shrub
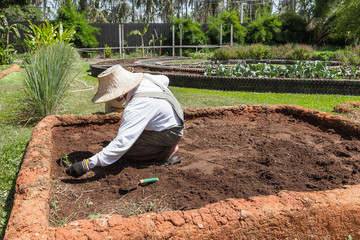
264	29
260	51
293	28
243	51
280	51
349	56
84	36
226	19
300	52
224	53
191	31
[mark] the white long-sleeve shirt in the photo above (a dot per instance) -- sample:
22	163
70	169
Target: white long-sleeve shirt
140	114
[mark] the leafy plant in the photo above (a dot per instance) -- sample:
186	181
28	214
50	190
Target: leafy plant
49	73
349	56
324	55
202	54
300	69
65	159
7	50
108	52
153	41
91	216
7	53
6	29
142	34
47	34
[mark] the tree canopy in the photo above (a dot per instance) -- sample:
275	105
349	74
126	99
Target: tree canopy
346	23
8	3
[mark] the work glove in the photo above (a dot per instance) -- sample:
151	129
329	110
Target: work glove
78	169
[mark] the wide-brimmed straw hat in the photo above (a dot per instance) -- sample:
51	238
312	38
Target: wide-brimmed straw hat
115	82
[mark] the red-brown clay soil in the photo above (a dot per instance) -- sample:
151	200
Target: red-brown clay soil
13	68
230	156
267	172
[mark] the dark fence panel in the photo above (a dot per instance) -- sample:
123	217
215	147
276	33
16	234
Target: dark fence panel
109	33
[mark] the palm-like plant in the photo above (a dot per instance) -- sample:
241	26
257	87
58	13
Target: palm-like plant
323	15
142	34
122	11
6	29
154	39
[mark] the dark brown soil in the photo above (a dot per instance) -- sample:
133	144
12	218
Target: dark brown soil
227	157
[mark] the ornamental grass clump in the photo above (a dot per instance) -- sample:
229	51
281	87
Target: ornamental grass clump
49	72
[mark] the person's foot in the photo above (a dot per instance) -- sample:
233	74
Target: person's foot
170	157
171	153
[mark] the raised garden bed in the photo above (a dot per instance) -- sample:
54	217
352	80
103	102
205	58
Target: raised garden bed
194	78
249	172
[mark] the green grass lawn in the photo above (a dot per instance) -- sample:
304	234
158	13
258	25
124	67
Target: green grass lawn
15	133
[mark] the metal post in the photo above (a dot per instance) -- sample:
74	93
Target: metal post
242	12
120	41
293	5
173	40
231	35
220	34
249	4
123	38
180	39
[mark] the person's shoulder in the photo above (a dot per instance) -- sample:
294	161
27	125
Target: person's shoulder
160	78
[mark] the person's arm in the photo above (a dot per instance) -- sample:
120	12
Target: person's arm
131	127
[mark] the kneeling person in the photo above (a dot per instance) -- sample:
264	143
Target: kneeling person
152	123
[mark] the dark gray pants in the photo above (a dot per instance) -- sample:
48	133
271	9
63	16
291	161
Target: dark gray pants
152	145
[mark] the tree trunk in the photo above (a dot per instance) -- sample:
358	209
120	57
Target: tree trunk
82	5
143	46
45	8
133	10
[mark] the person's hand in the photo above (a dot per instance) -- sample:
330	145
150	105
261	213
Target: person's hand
77	169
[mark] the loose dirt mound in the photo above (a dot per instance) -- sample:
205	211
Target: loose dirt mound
225	156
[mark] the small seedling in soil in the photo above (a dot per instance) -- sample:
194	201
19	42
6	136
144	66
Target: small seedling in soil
64	160
58	222
95	216
54	204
